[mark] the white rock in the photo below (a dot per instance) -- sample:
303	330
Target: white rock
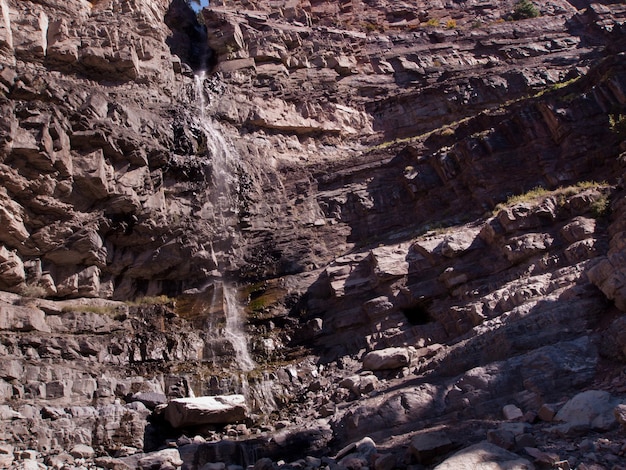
511	412
484	456
390	358
7	413
161	459
219	409
590	409
31	465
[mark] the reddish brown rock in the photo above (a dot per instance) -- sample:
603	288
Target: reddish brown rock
341	163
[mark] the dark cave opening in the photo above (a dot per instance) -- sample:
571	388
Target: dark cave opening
418	314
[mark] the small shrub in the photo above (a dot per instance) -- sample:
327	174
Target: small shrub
446	132
617	124
451	24
106	310
559	85
529	196
600	206
369	26
432	22
33	291
151	300
525	9
581	185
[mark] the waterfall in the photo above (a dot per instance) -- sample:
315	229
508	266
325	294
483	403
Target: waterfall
223	197
6	16
234	331
223	205
44	23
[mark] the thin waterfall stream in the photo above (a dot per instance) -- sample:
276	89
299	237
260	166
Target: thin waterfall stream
221	297
234	333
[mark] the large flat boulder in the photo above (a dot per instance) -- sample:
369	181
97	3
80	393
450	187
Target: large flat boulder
221	409
19	318
389	358
484	456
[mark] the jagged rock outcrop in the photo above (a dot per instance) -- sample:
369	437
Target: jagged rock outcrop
331	172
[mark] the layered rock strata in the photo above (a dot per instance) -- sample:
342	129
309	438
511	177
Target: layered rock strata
339	166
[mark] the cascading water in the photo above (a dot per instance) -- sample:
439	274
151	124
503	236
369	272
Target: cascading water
6	16
234	332
223	200
222	206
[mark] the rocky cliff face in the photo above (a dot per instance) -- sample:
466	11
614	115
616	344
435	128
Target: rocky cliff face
385	220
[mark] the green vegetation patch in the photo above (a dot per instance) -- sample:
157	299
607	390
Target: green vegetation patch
525	9
108	310
33	291
617	124
598	207
151	300
105	310
262	295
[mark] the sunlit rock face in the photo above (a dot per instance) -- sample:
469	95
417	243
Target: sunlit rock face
314	232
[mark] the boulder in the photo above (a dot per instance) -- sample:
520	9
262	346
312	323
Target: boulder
228	37
546	412
428	445
458	242
517	217
366	447
360	384
620	414
391	261
7	413
150	399
166	458
484	456
501	438
590	409
111	463
390	358
610	279
196	411
82	451
512	412
578	229
17	318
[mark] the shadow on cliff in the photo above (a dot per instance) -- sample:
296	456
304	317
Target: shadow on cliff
558	137
468	82
188	40
526	361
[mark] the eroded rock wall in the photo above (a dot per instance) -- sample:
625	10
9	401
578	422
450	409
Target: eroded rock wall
341	164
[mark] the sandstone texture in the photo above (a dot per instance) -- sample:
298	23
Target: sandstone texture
364	234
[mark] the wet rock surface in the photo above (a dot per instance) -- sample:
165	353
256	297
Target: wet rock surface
372	234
